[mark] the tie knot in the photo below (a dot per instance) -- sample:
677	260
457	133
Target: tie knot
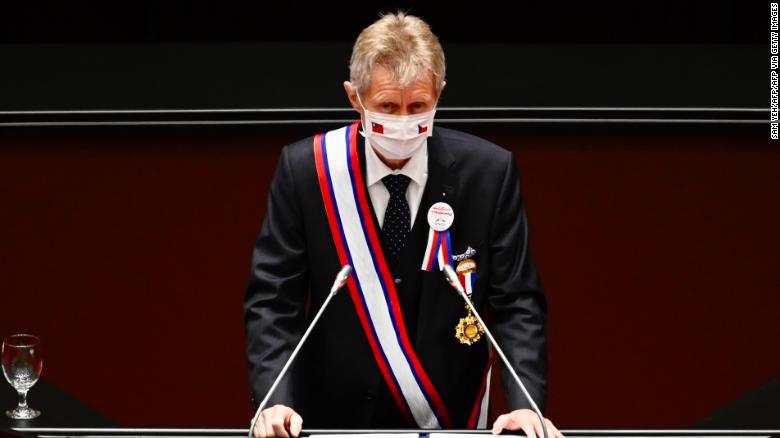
396	184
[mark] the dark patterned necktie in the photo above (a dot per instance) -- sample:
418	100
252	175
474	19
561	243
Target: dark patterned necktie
398	218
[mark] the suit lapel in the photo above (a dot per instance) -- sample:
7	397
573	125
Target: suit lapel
442	186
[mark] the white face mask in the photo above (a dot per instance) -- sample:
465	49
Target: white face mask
396	137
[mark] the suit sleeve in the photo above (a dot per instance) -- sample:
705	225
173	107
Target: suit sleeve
274	306
516	305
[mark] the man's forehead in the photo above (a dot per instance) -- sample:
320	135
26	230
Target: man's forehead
382	81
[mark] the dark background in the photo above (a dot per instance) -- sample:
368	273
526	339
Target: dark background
536	21
126	248
220	54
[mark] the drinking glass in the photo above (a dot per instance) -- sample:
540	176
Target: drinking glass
22	365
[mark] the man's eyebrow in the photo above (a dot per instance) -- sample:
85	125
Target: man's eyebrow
384	97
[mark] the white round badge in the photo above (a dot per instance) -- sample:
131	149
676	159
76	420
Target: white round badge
440	216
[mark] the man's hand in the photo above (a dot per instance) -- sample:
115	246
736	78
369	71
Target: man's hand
528	421
278	422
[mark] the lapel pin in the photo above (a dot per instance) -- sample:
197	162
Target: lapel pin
469	253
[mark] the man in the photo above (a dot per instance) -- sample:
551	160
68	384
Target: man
396	200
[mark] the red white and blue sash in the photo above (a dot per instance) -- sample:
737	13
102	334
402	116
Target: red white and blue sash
371	285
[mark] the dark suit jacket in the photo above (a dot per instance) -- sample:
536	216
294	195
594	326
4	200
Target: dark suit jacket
336	382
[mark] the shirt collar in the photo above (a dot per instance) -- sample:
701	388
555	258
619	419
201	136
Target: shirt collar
416	168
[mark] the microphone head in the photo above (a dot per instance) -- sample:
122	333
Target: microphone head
344	273
452	278
341	278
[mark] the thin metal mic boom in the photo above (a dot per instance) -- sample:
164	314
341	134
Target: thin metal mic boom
338	283
452	279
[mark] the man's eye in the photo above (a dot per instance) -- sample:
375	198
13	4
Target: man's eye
387	106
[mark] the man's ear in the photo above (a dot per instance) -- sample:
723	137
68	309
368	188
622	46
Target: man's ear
352	96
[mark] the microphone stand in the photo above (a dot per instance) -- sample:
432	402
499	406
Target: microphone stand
341	279
452	279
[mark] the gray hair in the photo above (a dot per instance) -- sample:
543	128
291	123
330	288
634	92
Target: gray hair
404	44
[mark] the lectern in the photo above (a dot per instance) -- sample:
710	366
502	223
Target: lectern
53	432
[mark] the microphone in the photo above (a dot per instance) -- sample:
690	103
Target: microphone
338	283
341	278
452	279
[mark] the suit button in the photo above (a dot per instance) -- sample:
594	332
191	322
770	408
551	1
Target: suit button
398	281
368	395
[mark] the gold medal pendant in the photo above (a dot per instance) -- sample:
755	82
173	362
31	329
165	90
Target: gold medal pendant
468	331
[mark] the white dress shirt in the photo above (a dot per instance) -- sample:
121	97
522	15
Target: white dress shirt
417	171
